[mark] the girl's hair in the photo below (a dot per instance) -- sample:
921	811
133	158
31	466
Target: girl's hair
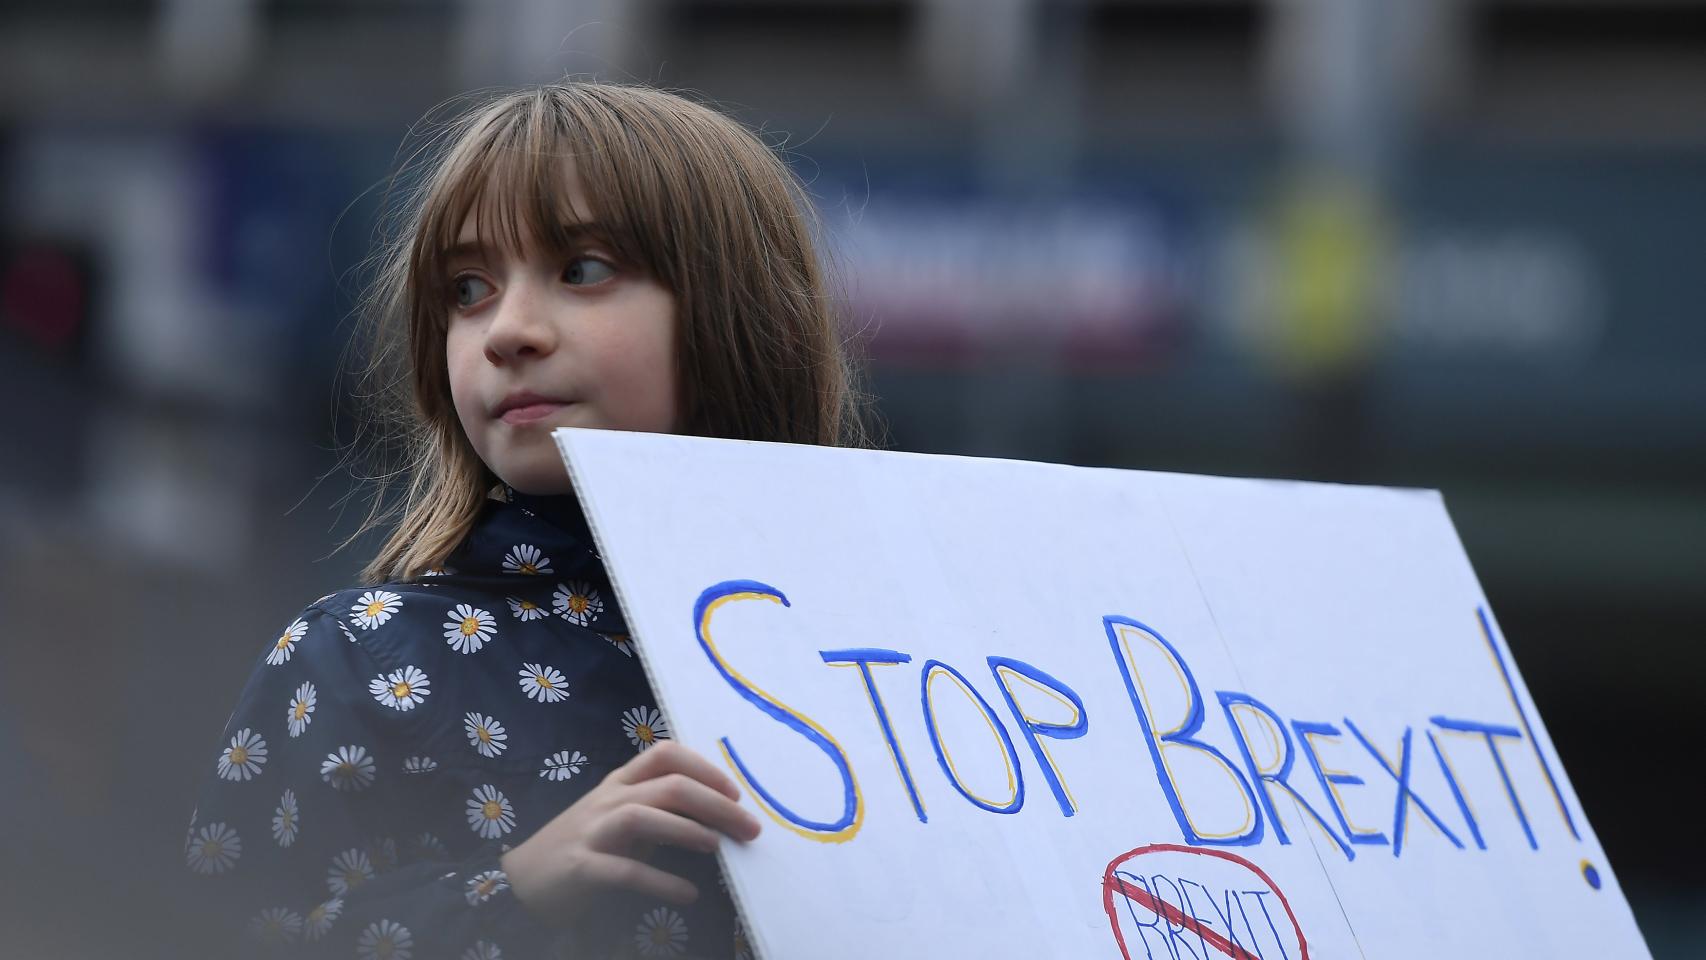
675	189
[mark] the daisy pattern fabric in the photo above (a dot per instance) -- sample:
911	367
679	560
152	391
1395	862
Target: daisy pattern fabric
392	742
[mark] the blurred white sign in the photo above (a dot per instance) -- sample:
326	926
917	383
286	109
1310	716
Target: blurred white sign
938	275
1009	709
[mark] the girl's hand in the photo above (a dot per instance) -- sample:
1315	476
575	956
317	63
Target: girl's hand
666	795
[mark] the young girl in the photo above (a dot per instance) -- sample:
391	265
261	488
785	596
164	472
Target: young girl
463	759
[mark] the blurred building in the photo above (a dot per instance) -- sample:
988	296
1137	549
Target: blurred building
1452	244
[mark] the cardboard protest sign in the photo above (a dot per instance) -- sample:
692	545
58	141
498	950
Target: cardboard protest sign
1010	709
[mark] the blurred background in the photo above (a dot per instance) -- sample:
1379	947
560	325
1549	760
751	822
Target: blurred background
1453	244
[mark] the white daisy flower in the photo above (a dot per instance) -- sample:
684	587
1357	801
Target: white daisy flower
485	734
662	933
622	642
214	849
483	950
469	628
286	819
525	610
276	925
489	813
244	757
420	765
644	727
320	919
351	637
401	689
429	847
385	940
562	765
300	712
374	607
350	768
349	870
742	945
577	602
438	571
526	558
482	886
286	643
544	684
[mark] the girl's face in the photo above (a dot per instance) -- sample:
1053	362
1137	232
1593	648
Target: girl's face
536	342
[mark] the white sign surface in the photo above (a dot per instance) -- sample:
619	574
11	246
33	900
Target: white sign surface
1009	709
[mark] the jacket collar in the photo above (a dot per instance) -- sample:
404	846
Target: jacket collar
538	548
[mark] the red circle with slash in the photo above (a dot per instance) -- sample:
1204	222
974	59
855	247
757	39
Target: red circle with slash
1114	886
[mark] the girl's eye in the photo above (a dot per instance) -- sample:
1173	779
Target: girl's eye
467	290
588	270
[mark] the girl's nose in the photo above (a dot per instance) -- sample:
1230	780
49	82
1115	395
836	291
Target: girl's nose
522	327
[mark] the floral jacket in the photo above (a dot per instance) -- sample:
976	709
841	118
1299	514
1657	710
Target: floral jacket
393	742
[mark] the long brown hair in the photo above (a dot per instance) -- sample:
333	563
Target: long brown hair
676	189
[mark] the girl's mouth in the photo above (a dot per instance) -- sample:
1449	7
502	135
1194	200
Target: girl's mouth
531	412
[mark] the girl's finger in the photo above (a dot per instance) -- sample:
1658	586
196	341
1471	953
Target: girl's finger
670	757
679	793
632	827
609	870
